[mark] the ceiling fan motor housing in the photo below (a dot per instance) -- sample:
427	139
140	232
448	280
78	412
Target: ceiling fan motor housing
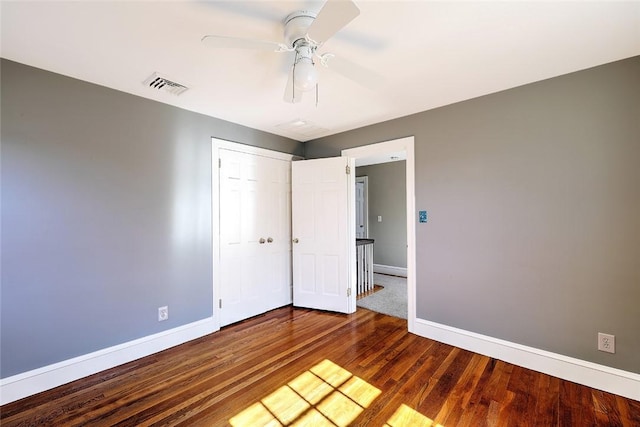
296	26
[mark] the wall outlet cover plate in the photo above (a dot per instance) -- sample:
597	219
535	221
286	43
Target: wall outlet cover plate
606	342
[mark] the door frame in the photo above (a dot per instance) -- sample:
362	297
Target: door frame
405	144
216	145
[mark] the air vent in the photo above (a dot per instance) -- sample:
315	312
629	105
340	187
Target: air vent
158	82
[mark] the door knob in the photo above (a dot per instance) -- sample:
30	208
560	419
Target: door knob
261	241
295	240
269	240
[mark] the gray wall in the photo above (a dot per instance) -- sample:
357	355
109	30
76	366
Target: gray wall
387	197
106	215
534	211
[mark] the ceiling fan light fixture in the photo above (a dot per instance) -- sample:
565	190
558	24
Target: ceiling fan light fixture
304	32
305	76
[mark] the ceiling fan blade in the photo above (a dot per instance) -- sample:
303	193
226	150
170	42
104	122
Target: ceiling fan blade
239	43
359	74
291	94
334	15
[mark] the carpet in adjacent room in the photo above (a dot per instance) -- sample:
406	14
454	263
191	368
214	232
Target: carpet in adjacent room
391	300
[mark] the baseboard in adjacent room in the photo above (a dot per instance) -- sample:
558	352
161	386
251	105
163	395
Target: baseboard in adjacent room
390	270
593	375
45	378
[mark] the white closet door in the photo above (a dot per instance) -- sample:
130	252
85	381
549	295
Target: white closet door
254	245
278	233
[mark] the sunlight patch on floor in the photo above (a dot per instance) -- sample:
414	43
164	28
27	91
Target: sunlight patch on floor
286	404
407	417
326	394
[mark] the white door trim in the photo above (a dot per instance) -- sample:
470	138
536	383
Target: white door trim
407	145
250	149
216	145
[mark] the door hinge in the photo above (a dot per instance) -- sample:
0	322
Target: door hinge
348	292
219	163
348	170
220	303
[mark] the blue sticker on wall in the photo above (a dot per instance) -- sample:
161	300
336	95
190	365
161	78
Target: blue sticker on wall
423	216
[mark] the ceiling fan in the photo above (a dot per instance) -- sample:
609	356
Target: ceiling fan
304	33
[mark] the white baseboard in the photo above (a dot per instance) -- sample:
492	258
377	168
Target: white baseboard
593	375
601	377
45	378
388	269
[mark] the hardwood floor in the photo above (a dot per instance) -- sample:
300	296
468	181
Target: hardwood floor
314	368
376	288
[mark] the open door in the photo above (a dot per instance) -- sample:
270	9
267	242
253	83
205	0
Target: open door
323	230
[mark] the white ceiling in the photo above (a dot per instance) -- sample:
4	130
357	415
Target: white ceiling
429	53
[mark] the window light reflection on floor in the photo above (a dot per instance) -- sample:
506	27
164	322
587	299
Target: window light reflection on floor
326	394
406	416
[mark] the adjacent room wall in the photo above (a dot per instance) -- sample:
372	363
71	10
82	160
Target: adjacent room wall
387	198
106	215
534	211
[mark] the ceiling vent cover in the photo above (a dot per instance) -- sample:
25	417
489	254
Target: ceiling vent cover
158	82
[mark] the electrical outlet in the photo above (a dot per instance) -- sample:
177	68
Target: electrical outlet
163	313
606	342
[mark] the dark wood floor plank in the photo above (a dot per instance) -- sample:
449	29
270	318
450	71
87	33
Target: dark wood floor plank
479	406
491	399
546	411
524	398
446	382
210	380
457	400
408	391
606	409
633	414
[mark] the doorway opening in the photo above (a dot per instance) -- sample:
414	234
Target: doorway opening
390	151
387	237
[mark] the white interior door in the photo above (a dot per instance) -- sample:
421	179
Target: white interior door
255	238
323	234
277	208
